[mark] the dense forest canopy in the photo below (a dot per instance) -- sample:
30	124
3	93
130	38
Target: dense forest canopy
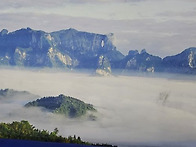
62	104
25	131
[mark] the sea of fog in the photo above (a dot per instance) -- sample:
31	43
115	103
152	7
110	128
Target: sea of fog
132	110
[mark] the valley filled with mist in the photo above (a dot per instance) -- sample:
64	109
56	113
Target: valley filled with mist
133	109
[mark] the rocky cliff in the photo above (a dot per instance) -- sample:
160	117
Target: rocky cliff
65	49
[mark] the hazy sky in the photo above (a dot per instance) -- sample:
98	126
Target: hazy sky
163	27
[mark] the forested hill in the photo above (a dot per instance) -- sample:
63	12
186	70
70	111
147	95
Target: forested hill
62	104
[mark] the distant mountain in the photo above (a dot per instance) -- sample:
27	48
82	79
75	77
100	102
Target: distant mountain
10	94
65	105
72	49
185	62
65	49
142	61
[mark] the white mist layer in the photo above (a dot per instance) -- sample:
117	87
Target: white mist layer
131	109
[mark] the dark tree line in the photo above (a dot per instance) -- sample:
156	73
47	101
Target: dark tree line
25	131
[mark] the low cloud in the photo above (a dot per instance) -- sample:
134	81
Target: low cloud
129	108
105	1
51	3
28	3
177	15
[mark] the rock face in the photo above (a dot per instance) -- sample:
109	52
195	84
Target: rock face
142	61
185	62
65	105
66	48
103	66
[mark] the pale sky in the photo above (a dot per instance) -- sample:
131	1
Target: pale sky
162	27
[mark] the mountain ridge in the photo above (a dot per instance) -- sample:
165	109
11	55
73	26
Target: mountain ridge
73	49
10	95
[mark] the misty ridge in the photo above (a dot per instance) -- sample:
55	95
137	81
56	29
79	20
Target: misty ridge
134	109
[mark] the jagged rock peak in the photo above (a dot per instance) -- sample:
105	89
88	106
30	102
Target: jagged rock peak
72	29
4	32
133	52
28	28
143	51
